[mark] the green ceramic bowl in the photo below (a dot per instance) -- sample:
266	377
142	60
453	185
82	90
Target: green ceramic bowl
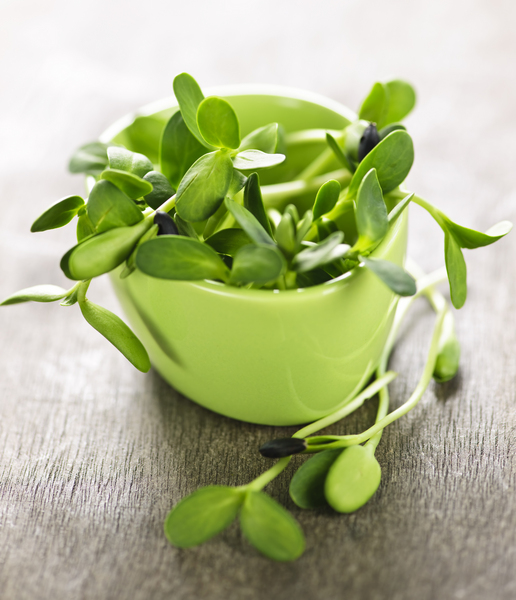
275	358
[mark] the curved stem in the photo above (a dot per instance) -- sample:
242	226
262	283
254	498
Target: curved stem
265	478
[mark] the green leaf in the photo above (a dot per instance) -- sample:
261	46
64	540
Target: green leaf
185	228
286	234
161	189
255	159
85	227
321	254
189	96
218	123
307	485
90	158
37	293
238	182
179	149
122	159
108	207
203	188
270	528
180	258
58	215
254	203
376	105
132	185
456	269
304	226
448	357
392	158
371	213
264	139
257	264
397	211
116	332
402	99
102	253
326	198
384	132
202	515
228	241
469	238
394	277
249	223
352	479
339	153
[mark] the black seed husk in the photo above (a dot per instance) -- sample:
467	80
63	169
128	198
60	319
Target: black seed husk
368	141
282	447
165	223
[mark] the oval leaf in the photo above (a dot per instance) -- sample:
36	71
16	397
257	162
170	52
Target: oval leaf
371	212
129	183
376	105
394	277
37	293
58	215
102	253
203	188
255	159
286	234
326	198
161	189
352	479
116	332
321	254
448	358
108	207
257	264
307	485
249	223
254	203
218	123
122	159
264	139
228	241
202	515
180	258
179	149
392	158
402	99
304	226
339	153
189	96
457	271
270	528
91	159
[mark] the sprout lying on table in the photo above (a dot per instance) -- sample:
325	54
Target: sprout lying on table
201	213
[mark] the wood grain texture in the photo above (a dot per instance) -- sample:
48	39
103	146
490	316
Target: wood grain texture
93	454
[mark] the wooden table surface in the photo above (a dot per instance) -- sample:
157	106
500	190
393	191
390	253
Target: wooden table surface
93	454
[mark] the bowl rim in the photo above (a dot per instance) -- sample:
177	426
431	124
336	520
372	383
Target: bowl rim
251	89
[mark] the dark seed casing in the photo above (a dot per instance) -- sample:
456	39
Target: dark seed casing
165	223
282	447
368	141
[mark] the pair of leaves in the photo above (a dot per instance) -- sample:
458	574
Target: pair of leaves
344	479
388	103
182	258
208	511
213	122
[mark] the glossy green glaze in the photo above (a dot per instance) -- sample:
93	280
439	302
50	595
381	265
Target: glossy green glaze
276	358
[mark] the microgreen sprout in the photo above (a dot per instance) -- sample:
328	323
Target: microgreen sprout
194	209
